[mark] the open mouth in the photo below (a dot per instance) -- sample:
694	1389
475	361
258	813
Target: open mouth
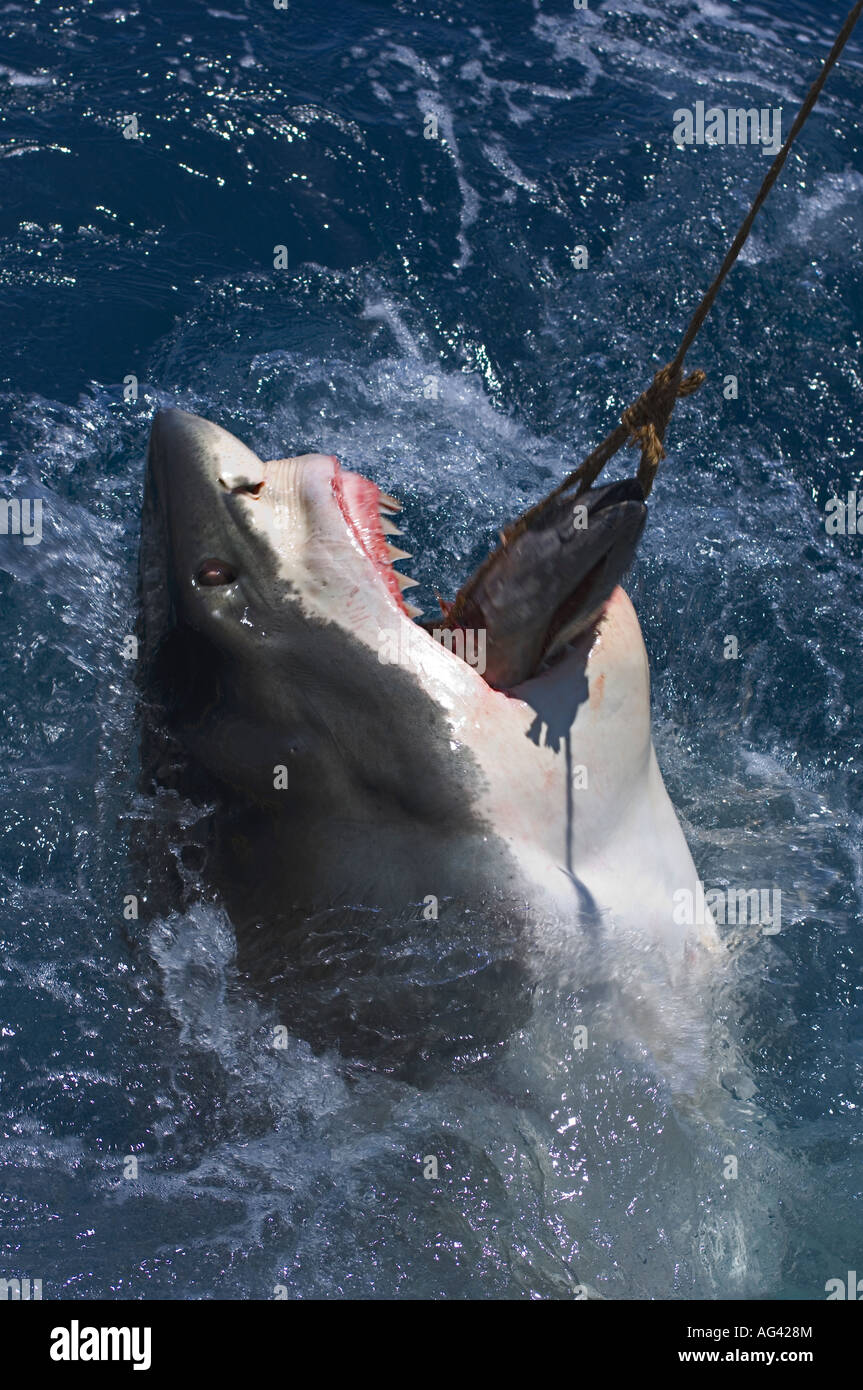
369	515
534	596
548	583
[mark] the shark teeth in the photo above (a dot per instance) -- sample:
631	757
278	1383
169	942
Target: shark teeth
388	507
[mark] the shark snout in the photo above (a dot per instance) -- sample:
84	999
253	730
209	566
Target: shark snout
184	449
230	514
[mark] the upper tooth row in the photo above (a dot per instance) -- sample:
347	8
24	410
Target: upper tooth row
388	505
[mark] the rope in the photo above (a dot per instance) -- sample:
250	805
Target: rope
645	421
772	175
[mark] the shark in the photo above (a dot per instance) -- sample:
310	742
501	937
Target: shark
357	760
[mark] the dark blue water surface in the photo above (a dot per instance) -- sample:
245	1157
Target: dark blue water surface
410	260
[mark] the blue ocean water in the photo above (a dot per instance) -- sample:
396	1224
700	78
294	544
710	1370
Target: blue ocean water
414	261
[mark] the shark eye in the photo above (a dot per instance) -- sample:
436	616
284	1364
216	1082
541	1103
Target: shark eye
213	572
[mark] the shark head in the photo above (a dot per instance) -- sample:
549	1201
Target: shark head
506	750
265	585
